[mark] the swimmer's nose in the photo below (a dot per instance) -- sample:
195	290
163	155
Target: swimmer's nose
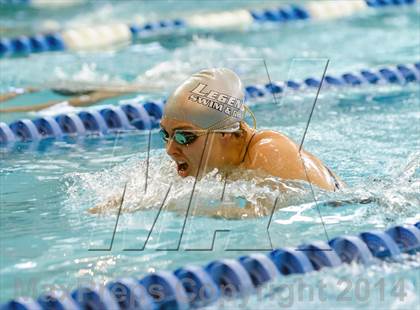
172	148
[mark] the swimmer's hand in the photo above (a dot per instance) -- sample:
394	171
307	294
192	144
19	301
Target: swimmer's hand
111	204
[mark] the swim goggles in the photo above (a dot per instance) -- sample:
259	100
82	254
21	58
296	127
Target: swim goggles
187	137
180	137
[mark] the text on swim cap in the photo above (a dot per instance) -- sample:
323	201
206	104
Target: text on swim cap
216	100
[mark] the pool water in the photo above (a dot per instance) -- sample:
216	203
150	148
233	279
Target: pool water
368	135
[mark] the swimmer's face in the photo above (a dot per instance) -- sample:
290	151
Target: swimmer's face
188	157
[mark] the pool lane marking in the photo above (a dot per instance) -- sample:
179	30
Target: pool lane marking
116	223
303	163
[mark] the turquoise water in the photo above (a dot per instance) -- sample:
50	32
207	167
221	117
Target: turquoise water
368	135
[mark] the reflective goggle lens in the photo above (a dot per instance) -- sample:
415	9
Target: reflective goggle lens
164	135
180	137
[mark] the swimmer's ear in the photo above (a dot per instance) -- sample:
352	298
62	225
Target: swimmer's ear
226	135
238	134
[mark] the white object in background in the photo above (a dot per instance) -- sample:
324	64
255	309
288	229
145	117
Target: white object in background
333	9
54	110
233	19
55	3
87	38
72	39
415	71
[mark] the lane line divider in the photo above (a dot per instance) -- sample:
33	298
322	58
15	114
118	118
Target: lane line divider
192	286
101	36
133	114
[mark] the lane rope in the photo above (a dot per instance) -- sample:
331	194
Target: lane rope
102	36
136	114
192	286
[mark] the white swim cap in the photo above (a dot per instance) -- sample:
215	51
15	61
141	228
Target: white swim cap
210	99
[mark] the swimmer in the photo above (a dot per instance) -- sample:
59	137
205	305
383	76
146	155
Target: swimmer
77	96
204	129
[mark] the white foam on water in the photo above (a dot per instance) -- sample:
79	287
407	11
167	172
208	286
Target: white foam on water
56	109
186	60
90	189
370	203
87	73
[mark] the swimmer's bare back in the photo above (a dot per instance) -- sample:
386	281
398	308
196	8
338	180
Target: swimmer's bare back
277	155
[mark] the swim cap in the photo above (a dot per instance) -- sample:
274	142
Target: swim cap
210	99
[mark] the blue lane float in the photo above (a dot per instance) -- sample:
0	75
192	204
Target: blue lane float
351	249
93	122
127	117
289	261
57	300
320	254
115	118
260	268
76	39
25	130
231	277
20	45
38	43
91	297
193	287
133	114
130	294
6	134
25	45
166	290
138	116
385	3
400	74
149	29
199	286
48	127
155	110
380	244
281	15
22	304
71	124
407	238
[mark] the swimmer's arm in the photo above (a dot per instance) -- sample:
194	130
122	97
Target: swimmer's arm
226	210
111	204
75	101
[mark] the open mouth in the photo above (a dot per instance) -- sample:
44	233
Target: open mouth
182	168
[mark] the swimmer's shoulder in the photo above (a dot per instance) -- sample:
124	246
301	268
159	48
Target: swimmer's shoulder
269	145
270	139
